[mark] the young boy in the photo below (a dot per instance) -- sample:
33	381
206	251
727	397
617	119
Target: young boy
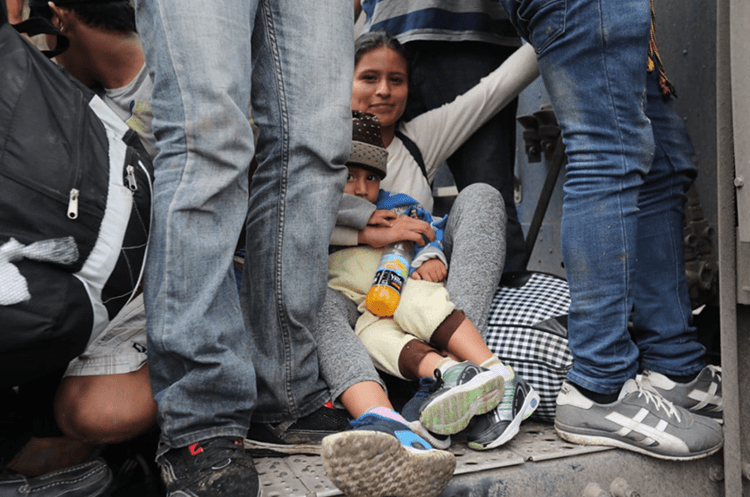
427	336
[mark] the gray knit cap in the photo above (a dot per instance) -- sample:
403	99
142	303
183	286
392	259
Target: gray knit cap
368	150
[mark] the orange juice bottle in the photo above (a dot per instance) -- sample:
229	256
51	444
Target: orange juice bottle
385	292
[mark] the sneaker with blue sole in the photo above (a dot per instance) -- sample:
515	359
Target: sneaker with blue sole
380	456
465	390
500	425
640	420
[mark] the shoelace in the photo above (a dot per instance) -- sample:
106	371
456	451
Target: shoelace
715	373
438	384
660	402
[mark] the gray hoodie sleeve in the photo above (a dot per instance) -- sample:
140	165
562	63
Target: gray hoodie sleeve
354	212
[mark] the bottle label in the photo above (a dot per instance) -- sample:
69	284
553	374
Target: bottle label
392	272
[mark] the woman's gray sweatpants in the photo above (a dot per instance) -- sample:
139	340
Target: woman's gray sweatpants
475	248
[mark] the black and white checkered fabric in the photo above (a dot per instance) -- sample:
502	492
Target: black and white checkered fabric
527	330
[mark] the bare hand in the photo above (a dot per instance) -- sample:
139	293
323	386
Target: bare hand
382	218
403	229
432	270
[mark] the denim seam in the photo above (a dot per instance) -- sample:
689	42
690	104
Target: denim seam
283	188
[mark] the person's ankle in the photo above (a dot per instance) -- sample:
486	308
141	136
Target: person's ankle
599	398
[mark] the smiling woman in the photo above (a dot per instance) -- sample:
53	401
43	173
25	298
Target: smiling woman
381	87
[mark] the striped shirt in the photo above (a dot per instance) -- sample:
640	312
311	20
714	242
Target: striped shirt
441	20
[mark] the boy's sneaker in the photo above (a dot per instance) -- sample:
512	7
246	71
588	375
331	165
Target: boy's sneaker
381	457
465	390
640	420
700	396
503	423
302	436
209	468
411	412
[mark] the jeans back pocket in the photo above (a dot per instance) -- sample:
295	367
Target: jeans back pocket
539	21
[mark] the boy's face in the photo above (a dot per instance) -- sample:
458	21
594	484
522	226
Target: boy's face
362	183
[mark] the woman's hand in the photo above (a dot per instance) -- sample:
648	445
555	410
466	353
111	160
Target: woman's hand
402	229
432	270
383	218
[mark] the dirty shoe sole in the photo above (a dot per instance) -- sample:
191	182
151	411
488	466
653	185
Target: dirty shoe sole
376	464
451	412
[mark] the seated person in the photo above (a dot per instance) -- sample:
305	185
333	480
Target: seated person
427	335
105	395
474	242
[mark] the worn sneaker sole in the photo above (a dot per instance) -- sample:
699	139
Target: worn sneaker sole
376	464
452	411
595	437
531	402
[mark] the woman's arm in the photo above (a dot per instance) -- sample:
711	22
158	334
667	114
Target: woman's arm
404	228
354	215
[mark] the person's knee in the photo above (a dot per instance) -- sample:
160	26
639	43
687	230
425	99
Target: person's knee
479	204
483	193
92	412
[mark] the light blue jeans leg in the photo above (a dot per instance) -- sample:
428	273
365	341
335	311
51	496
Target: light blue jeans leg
199	357
302	77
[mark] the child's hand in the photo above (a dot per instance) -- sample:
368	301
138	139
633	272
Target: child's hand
433	270
382	218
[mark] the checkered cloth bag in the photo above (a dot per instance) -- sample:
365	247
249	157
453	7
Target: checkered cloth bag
527	329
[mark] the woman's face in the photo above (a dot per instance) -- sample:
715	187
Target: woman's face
381	85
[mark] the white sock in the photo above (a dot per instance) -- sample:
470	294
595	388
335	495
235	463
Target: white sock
444	364
494	364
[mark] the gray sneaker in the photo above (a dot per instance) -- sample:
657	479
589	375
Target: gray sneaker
466	390
700	396
640	420
497	427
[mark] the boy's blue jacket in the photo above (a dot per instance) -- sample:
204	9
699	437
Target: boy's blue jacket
404	204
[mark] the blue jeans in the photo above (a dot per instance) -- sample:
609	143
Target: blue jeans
629	164
205	359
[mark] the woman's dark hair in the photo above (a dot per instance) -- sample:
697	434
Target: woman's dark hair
376	39
112	15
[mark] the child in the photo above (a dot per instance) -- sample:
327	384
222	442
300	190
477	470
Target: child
427	336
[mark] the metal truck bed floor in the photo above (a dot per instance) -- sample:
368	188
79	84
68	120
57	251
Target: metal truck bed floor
536	463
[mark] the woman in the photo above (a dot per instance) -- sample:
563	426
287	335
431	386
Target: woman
475	232
474	235
474	242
